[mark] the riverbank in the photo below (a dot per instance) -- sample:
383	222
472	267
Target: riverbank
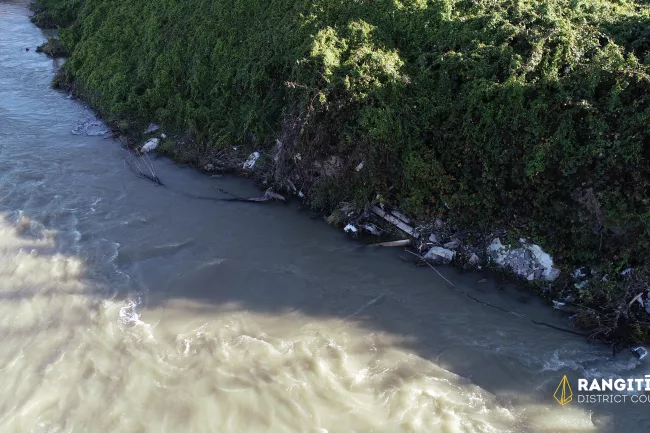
525	122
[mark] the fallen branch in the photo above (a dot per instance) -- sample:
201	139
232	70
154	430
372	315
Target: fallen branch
139	171
569	331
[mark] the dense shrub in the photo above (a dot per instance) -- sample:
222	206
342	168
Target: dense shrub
528	114
52	14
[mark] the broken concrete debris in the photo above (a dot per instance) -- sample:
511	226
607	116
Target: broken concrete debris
440	256
528	261
395	220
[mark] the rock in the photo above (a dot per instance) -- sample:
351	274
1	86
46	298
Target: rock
440	256
252	159
163	136
452	245
433	238
531	277
640	352
627	271
151	128
482	280
544	259
360	166
149	145
474	260
208	167
350	229
438	224
300	194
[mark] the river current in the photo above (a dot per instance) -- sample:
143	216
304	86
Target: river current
128	307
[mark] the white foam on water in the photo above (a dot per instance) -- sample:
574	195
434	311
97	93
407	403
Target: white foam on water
91	127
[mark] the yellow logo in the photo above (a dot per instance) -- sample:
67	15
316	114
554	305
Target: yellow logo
563	393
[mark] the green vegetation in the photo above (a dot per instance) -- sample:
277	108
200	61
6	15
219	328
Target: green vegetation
53	48
51	14
530	115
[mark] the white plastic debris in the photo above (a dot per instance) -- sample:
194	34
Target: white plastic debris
440	255
372	229
350	229
163	136
558	305
360	166
252	159
149	145
151	128
300	194
640	352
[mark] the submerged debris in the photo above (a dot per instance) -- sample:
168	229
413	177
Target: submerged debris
640	352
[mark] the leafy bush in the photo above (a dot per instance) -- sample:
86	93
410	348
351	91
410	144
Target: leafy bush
526	114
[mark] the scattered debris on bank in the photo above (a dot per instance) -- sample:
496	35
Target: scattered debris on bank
152	128
526	261
249	164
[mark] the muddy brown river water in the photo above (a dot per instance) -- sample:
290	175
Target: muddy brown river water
128	307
